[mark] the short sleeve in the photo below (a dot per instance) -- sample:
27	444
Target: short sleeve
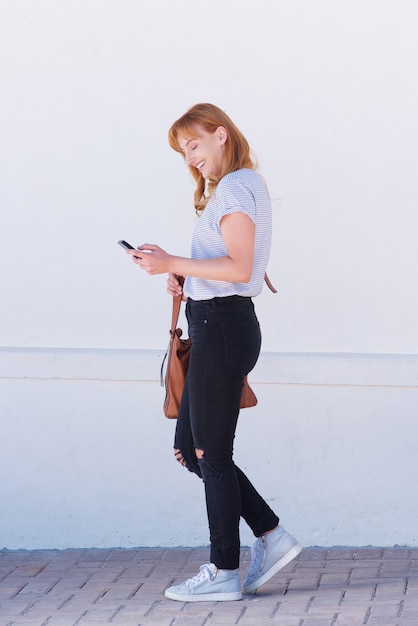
233	196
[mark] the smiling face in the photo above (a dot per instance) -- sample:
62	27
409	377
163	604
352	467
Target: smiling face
204	150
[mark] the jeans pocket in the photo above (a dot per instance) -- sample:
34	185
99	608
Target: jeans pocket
242	342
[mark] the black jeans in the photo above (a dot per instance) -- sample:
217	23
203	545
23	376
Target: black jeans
226	343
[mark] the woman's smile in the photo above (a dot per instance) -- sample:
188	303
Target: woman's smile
204	150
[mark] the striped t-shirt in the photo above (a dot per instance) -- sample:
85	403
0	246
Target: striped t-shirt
241	191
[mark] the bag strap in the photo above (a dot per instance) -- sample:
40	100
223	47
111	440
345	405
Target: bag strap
174	319
269	284
175	313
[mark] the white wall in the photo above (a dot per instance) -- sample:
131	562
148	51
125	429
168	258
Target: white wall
327	95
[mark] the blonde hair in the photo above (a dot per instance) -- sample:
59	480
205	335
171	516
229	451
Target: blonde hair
237	152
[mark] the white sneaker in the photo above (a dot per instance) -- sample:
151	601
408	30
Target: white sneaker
269	554
210	585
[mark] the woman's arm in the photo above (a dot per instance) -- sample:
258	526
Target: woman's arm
238	232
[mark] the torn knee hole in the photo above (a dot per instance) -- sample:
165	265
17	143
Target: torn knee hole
199	453
180	457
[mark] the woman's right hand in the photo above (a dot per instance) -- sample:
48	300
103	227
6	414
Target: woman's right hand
175	285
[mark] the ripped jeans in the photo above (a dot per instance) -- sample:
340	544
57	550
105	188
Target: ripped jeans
226	343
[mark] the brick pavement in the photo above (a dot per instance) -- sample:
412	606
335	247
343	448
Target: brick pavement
322	587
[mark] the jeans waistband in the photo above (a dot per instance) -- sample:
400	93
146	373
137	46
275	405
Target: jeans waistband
221	299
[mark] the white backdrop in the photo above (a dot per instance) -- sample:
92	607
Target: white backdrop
327	95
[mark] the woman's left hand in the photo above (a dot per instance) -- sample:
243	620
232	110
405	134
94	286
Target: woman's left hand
153	259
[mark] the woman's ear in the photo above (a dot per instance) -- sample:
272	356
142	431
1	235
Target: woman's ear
222	134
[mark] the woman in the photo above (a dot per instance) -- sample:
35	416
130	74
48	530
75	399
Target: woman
229	255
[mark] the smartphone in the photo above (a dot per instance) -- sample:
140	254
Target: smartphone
125	245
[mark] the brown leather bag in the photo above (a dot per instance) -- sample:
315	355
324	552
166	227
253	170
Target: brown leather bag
177	356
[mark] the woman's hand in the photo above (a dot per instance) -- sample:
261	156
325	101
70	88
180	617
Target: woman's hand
153	259
175	285
236	266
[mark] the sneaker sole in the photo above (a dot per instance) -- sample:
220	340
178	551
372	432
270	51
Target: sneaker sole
204	597
292	554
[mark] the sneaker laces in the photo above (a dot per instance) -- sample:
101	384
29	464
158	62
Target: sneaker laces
258	555
205	573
